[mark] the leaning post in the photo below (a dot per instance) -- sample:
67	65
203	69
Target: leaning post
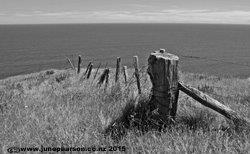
71	64
97	70
106	79
79	64
163	72
87	69
102	77
204	99
125	74
89	72
118	64
137	76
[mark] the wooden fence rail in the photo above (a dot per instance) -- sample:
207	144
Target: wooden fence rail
213	104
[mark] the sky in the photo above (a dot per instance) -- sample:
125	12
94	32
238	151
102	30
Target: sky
124	11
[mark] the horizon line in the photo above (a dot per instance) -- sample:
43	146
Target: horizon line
109	23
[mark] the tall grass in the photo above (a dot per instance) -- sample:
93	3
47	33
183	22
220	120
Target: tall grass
55	108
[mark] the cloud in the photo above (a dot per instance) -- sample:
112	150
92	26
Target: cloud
22	15
141	16
51	14
140	6
191	16
184	11
58	13
176	16
2	14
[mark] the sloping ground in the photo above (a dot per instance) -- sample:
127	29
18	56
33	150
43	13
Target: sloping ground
57	108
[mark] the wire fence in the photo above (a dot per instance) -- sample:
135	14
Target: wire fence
214	59
186	56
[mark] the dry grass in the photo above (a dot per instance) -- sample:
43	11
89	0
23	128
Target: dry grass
56	108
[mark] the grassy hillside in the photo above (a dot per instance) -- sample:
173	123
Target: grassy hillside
57	108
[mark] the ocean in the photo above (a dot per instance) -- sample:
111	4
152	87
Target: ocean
222	50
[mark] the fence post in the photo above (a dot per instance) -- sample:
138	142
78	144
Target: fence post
90	69
102	77
71	64
79	64
137	76
87	69
125	74
163	72
97	70
117	73
106	78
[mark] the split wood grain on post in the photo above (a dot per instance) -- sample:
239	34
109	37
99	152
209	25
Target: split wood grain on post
163	72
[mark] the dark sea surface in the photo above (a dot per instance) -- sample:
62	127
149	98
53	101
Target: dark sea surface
222	50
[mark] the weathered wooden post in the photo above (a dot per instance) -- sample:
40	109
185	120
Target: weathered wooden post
79	64
204	99
117	73
137	76
103	77
163	72
71	64
97	70
125	73
90	63
106	79
89	72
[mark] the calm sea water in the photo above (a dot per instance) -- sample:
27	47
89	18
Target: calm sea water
213	49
